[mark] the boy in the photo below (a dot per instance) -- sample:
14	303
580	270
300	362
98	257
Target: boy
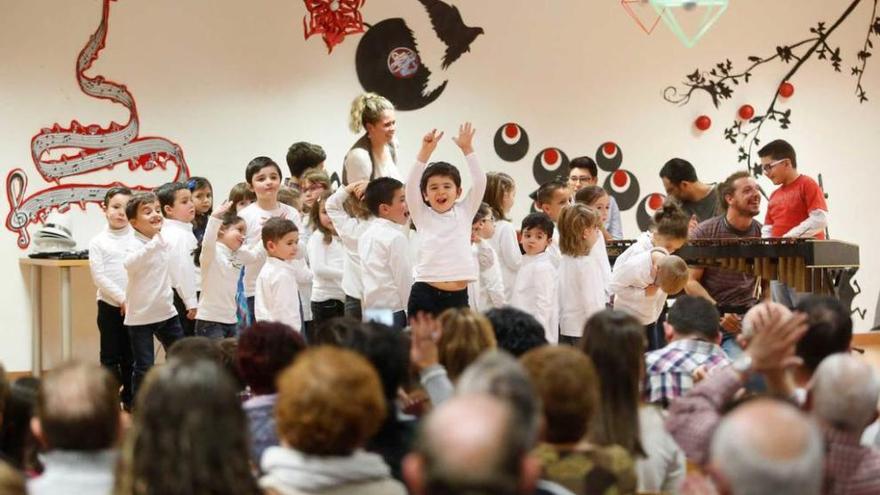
383	250
444	263
177	230
551	198
277	296
640	284
582	172
535	290
263	177
302	156
796	208
149	308
107	253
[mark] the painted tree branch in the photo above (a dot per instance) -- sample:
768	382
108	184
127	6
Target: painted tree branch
865	53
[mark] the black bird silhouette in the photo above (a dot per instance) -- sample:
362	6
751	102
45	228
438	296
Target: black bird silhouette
450	28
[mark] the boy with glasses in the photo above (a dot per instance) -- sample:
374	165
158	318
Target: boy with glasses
583	172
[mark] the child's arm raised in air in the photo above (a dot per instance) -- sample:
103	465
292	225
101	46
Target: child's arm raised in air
465	141
345	224
209	241
413	190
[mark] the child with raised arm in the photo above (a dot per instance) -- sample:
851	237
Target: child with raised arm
383	250
149	308
175	198
107	252
444	264
221	260
582	290
350	220
277	296
536	290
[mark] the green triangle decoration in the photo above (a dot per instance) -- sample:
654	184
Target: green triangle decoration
666	10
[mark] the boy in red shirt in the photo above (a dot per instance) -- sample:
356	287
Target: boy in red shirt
796	209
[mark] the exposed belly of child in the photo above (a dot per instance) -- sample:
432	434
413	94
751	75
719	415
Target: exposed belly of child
449	286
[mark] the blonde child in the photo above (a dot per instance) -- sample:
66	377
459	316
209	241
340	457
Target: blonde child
582	290
500	194
598	199
536	289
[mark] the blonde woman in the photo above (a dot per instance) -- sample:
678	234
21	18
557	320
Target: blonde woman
375	153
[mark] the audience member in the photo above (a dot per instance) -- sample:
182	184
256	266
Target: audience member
18	446
516	331
464	335
11	481
196	348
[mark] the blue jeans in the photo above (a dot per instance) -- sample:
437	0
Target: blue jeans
214	330
730	345
168	332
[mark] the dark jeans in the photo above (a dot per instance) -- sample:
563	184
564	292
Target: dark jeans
399	320
188	326
656	336
572	341
428	299
353	308
324	310
115	347
168	332
214	330
251	310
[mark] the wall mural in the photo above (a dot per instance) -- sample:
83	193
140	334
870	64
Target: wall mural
93	147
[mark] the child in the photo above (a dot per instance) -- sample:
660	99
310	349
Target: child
291	196
551	198
535	290
313	183
487	291
263	177
327	258
241	196
500	193
583	173
107	252
582	289
203	200
177	230
349	217
598	199
221	260
277	296
302	156
444	263
385	268
149	300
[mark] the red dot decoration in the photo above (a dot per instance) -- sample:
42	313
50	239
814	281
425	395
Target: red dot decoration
619	177
655	201
703	122
786	89
551	156
609	148
511	130
746	112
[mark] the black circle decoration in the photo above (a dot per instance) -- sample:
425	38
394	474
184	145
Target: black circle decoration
388	63
550	164
623	187
646	209
511	142
609	156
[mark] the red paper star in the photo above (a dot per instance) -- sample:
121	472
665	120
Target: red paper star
333	19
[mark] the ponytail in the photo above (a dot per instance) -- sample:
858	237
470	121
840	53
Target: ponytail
671	221
365	109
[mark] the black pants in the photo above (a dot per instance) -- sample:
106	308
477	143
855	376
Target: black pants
188	326
353	308
168	332
428	299
115	347
324	310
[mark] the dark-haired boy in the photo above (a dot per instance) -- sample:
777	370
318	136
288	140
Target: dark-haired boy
535	290
582	172
445	263
277	293
175	198
551	198
383	249
149	298
302	156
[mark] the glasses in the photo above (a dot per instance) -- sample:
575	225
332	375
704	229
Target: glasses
580	178
313	188
769	166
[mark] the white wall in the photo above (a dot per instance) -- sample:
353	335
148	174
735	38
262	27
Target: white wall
230	80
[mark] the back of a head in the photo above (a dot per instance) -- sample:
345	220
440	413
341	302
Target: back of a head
516	331
767	446
386	350
677	170
845	391
765	310
829	329
671	221
11	481
588	194
381	191
545	193
567	384
694	316
196	347
302	156
466	334
17	441
346	390
264	350
78	407
672	274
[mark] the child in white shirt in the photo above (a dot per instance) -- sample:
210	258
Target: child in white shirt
350	220
107	253
149	308
487	291
385	268
536	290
277	296
551	198
597	198
175	198
327	258
221	260
500	194
444	263
581	284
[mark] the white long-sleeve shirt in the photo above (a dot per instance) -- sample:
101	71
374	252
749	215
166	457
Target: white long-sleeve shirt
350	230
644	242
628	283
221	268
446	237
254	217
491	292
509	255
599	253
277	293
581	292
149	297
536	291
327	263
179	236
107	252
385	268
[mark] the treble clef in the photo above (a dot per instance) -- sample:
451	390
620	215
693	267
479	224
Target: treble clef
17	220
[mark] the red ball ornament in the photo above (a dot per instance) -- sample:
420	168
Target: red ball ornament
703	122
746	112
786	89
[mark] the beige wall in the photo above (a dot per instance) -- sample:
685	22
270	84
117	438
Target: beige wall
230	80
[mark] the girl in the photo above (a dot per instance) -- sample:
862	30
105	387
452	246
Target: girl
499	195
375	153
487	291
327	258
349	217
598	199
221	260
669	230
241	196
203	200
313	184
581	285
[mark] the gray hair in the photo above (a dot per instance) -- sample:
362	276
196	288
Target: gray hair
500	375
770	309
845	392
768	446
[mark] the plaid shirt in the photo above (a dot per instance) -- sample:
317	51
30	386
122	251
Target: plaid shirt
850	468
669	371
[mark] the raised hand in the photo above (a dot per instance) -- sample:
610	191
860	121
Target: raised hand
465	138
425	333
222	209
429	144
357	189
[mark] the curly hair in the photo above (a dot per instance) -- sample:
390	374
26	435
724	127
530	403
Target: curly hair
264	350
466	334
315	416
516	331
